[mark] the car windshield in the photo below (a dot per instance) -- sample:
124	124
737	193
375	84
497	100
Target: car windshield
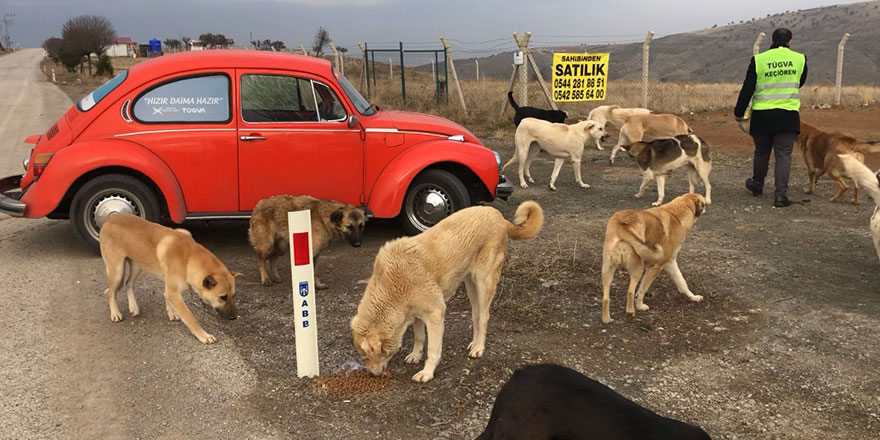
360	103
98	94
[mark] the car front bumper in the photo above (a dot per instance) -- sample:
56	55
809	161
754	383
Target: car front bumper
10	192
504	188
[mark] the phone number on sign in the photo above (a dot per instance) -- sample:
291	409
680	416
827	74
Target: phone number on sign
578	83
560	95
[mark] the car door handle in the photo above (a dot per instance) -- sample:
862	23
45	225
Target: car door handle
252	138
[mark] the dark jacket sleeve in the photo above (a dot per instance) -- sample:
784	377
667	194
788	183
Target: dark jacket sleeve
804	74
748	89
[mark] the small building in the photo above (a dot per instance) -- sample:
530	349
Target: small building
121	47
196	45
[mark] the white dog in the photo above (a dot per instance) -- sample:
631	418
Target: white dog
870	182
560	140
617	116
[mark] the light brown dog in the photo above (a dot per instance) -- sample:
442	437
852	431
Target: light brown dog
651	240
821	150
131	245
413	277
269	234
648	127
617	116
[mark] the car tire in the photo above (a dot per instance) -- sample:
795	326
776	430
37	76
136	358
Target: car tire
432	196
104	195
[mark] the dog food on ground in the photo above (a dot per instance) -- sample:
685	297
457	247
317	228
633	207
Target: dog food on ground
349	379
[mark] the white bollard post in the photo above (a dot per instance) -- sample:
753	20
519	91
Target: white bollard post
302	274
53	75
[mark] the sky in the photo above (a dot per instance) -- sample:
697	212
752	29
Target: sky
475	26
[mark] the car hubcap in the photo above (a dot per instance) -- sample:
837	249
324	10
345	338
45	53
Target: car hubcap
106	204
429	205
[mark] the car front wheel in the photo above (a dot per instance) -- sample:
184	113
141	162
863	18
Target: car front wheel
104	196
433	195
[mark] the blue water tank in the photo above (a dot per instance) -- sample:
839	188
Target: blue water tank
155	45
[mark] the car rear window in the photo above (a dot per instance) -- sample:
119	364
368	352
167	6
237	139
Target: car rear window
86	103
191	99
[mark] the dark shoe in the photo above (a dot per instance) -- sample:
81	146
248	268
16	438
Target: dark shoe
753	186
781	202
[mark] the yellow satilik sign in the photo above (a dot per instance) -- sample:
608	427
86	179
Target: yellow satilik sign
579	76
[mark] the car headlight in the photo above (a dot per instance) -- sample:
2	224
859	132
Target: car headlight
497	158
25	162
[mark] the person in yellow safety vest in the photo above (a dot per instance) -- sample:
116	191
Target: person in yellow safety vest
772	82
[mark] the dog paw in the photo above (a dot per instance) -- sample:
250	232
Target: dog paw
642	307
607	320
639	195
276	278
808	191
697	298
708	201
320	286
530	179
523	185
116	317
266	283
172	316
658	203
600	148
207	339
423	376
475	351
585	185
413	358
552	188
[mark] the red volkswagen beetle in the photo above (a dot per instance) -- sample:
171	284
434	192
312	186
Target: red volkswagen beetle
205	135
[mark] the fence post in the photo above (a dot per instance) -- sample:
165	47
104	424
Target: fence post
303	50
477	62
645	55
523	69
402	74
839	80
433	71
365	77
390	68
543	85
335	58
757	47
451	65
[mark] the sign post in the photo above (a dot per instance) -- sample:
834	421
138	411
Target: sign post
580	76
302	273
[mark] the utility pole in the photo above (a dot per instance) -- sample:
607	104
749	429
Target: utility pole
7	42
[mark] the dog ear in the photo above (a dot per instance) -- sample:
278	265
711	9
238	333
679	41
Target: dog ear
209	282
336	217
698	206
236	274
613	107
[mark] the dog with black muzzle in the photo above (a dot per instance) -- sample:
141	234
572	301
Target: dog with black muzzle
131	245
269	233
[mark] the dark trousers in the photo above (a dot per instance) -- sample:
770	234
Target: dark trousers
781	144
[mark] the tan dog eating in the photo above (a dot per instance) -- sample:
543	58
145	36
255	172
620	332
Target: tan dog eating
268	232
649	127
131	245
651	239
414	277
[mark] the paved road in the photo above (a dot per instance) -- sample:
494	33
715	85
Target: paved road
66	371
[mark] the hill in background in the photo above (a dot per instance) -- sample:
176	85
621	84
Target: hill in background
721	53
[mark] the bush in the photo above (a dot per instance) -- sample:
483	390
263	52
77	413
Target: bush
104	66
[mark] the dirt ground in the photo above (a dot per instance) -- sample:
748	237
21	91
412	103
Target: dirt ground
783	346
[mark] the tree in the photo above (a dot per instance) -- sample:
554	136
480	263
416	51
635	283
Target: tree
172	43
212	41
52	46
186	41
322	39
278	45
88	34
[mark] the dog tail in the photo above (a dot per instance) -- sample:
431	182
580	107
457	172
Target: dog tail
512	102
862	175
512	160
648	254
528	221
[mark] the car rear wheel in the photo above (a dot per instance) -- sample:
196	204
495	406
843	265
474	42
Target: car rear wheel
104	196
433	195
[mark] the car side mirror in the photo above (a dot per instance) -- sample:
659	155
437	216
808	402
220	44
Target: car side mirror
353	121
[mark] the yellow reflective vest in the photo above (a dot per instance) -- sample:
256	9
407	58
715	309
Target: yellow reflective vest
779	73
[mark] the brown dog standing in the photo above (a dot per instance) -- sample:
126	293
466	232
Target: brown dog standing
269	233
650	239
130	242
821	150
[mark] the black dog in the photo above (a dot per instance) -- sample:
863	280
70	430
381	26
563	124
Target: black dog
535	112
550	401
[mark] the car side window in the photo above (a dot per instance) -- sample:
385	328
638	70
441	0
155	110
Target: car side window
277	98
329	106
192	99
